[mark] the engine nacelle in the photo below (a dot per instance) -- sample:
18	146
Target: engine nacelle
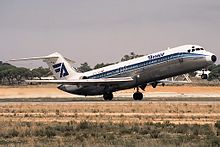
84	77
154	84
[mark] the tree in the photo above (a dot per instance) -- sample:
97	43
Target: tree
10	74
19	73
41	72
97	66
84	67
211	67
5	73
215	73
131	56
14	75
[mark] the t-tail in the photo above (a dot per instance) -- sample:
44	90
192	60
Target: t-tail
60	66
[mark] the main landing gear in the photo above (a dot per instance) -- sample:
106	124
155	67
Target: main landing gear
108	96
137	95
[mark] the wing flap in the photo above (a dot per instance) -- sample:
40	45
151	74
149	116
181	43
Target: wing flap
85	81
173	82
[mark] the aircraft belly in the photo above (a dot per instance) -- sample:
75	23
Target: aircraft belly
83	90
89	90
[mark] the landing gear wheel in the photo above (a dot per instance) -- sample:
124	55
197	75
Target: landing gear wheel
204	76
137	96
108	96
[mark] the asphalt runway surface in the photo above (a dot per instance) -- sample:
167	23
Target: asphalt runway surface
116	100
171	94
119	98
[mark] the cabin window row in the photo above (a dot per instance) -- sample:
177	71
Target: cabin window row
135	66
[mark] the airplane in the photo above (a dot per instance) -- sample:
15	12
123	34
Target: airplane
136	73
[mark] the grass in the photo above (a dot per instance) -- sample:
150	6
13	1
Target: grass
88	133
130	124
128	107
105	112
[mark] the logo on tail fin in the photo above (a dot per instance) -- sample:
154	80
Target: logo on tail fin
60	67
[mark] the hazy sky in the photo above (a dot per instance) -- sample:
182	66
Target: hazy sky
104	30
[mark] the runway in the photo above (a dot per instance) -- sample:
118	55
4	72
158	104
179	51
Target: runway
174	104
112	102
167	93
100	101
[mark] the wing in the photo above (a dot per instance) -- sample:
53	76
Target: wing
163	82
173	82
85	81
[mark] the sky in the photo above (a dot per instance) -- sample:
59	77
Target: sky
97	31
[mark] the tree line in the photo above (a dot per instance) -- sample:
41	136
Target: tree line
85	66
12	75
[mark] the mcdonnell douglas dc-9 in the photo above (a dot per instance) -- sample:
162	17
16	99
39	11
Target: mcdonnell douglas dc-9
136	73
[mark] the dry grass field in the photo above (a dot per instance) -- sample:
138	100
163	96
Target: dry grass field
132	124
116	123
129	112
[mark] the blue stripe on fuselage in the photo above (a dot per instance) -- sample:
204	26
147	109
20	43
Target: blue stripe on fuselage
143	64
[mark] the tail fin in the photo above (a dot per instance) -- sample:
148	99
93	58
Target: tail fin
59	65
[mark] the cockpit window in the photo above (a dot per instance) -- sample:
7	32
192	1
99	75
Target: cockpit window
194	49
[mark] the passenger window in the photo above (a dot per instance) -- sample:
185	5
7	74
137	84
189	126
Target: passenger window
202	48
193	50
189	51
197	49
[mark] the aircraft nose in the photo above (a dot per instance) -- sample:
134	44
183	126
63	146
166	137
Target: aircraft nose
214	58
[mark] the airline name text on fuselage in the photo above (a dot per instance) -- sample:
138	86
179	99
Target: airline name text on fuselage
150	57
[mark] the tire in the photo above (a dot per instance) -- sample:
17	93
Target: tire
137	96
108	96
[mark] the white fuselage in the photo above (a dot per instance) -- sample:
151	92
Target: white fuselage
146	69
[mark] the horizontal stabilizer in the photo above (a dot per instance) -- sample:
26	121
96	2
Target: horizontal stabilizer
34	58
52	56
